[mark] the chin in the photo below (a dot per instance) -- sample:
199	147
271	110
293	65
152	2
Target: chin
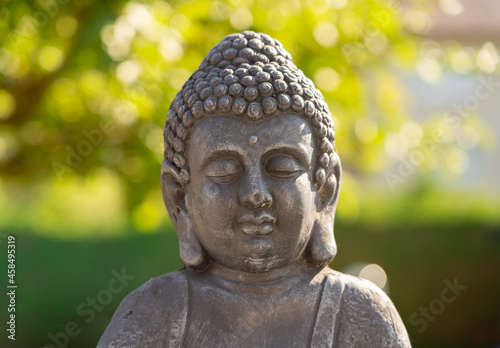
262	264
259	265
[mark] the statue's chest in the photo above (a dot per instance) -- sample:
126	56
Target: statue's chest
247	321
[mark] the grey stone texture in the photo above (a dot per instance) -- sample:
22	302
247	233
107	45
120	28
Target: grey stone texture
251	181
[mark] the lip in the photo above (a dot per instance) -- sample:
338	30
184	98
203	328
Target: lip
257	230
260	225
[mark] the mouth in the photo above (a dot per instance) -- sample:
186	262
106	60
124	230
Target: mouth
257	225
257	230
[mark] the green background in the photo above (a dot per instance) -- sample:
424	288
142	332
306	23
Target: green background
80	212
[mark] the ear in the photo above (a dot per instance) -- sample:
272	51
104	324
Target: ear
192	254
322	247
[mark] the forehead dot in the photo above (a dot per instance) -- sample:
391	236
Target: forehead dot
253	139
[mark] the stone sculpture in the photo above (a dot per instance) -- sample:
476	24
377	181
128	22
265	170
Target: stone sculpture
251	181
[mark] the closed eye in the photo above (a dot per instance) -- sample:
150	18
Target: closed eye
223	170
283	166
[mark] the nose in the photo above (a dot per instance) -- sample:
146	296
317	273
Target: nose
254	192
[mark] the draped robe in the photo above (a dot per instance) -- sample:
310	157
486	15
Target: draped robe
352	313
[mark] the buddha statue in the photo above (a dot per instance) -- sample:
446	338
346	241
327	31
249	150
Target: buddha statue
251	181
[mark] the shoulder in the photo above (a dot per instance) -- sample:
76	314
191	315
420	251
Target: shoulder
366	317
151	315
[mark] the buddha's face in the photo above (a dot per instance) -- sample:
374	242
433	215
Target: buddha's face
251	198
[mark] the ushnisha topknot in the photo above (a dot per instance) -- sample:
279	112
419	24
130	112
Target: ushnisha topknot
249	75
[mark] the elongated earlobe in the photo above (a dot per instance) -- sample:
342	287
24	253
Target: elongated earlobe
191	251
322	245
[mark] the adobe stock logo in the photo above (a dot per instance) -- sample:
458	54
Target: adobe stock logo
437	306
75	156
88	309
453	120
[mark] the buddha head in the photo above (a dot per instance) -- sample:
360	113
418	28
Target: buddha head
250	177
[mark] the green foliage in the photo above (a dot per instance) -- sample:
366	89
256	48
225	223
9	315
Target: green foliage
86	85
68	67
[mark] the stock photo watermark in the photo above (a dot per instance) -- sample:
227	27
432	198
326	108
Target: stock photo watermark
94	138
11	287
436	307
29	25
453	119
87	309
355	52
75	155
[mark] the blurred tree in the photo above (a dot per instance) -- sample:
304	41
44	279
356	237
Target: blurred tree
86	85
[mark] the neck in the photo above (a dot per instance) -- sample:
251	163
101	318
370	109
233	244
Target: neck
277	280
